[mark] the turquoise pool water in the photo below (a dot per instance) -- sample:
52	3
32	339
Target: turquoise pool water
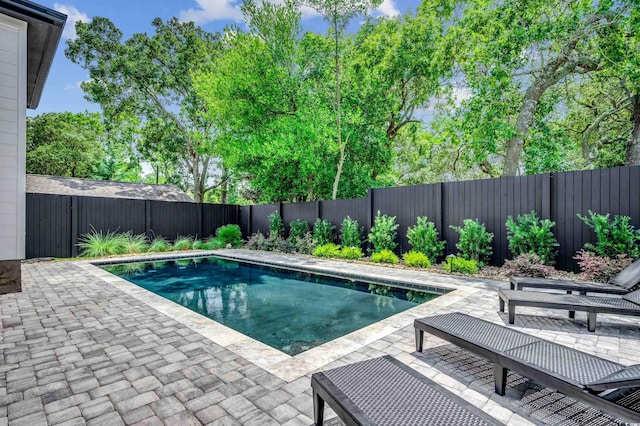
287	310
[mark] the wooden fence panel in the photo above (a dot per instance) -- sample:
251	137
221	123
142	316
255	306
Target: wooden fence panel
48	226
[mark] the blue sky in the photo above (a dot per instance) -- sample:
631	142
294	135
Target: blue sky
62	91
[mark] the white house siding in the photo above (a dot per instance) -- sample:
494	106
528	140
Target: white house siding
13	52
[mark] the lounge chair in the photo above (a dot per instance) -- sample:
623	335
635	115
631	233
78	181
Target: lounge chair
628	304
621	283
383	391
574	373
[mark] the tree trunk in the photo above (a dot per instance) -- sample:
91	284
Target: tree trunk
633	144
339	172
338	121
225	186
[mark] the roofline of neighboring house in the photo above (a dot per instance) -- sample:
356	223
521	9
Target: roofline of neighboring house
168	185
44	31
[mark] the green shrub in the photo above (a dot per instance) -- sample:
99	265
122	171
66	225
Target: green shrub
415	258
276	225
230	234
215	243
298	229
159	245
475	241
327	250
385	256
383	234
615	236
323	232
199	245
351	253
424	237
303	244
458	264
279	244
351	233
134	243
255	242
98	244
182	243
530	234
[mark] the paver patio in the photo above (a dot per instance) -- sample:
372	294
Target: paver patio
79	348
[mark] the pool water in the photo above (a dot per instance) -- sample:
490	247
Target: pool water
287	310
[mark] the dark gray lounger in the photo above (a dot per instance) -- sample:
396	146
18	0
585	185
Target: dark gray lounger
383	391
628	304
574	373
621	283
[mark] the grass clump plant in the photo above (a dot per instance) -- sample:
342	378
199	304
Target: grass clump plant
475	241
385	256
460	265
276	225
99	244
351	253
614	237
159	245
424	237
323	232
327	250
199	245
182	243
351	233
383	234
132	243
216	243
530	234
415	258
229	234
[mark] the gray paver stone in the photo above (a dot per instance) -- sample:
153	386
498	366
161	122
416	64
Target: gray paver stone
187	394
146	384
273	399
225	421
24	408
210	414
63	415
237	406
63	404
35	419
84	385
167	407
109	419
138	415
258	418
204	401
283	413
136	402
96	407
109	389
183	418
150	421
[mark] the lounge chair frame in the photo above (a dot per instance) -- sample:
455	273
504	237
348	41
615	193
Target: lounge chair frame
508	349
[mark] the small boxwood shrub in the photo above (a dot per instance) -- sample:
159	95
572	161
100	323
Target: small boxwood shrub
601	269
182	243
529	234
327	250
351	233
351	253
615	236
527	265
276	225
475	241
424	237
385	256
298	229
230	234
415	258
461	265
383	234
323	232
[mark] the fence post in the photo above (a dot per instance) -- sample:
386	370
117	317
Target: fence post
546	196
318	210
147	219
200	224
74	226
249	220
370	215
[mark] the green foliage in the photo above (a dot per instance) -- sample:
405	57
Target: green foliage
351	233
351	253
458	264
134	243
419	296
323	231
215	244
383	234
304	244
230	234
298	229
199	245
255	242
615	236
530	234
159	245
99	244
415	258
182	243
475	241
424	237
327	250
385	256
276	225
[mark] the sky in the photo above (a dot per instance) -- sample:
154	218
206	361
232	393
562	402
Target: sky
62	91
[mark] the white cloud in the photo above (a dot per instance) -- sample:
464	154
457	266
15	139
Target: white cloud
76	85
388	8
460	94
212	10
73	16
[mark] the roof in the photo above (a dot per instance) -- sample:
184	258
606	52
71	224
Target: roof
44	31
40	184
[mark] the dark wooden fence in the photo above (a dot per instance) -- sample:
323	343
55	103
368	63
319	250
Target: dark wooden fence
55	222
559	197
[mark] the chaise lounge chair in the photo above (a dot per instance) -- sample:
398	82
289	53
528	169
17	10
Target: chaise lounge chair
621	283
383	391
628	304
606	385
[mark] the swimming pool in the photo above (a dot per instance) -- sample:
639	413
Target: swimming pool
287	310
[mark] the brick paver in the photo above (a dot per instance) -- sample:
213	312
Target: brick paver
76	350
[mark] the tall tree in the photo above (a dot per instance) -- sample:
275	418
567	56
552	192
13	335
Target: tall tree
151	77
338	14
